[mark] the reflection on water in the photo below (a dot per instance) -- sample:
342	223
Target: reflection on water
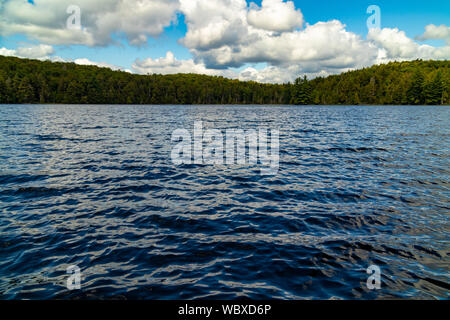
94	186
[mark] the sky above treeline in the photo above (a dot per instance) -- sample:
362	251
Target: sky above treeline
263	40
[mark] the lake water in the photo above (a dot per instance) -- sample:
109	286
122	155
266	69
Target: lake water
95	187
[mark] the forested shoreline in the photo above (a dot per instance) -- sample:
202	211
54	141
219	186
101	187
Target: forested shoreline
397	83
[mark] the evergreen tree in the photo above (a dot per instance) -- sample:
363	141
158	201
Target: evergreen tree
31	81
415	92
302	92
73	93
372	90
445	98
3	93
434	90
25	91
356	100
43	89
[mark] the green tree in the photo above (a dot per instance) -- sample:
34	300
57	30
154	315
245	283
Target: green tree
302	92
3	93
31	81
25	91
74	92
434	90
415	92
43	89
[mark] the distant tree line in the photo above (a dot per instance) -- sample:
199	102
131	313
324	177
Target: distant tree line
397	83
33	81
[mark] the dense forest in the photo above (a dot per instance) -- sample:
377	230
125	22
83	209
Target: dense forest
33	81
415	83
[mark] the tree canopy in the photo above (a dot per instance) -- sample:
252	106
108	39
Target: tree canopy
33	81
396	83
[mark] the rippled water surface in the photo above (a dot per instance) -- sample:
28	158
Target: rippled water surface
94	186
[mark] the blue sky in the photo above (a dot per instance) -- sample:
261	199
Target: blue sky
411	17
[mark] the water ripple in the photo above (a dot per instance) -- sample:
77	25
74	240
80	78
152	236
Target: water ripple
94	186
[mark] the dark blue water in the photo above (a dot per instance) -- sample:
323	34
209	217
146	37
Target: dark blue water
94	186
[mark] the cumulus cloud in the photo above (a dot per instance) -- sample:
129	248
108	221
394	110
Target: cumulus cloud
433	32
41	51
45	20
35	52
214	23
226	34
318	50
45	52
222	36
275	15
272	74
269	74
394	44
7	52
170	65
87	62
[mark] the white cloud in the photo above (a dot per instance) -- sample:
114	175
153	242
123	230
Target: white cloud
87	62
221	35
34	52
170	65
275	15
213	23
7	52
41	51
432	31
269	74
45	20
229	34
44	52
272	74
393	44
